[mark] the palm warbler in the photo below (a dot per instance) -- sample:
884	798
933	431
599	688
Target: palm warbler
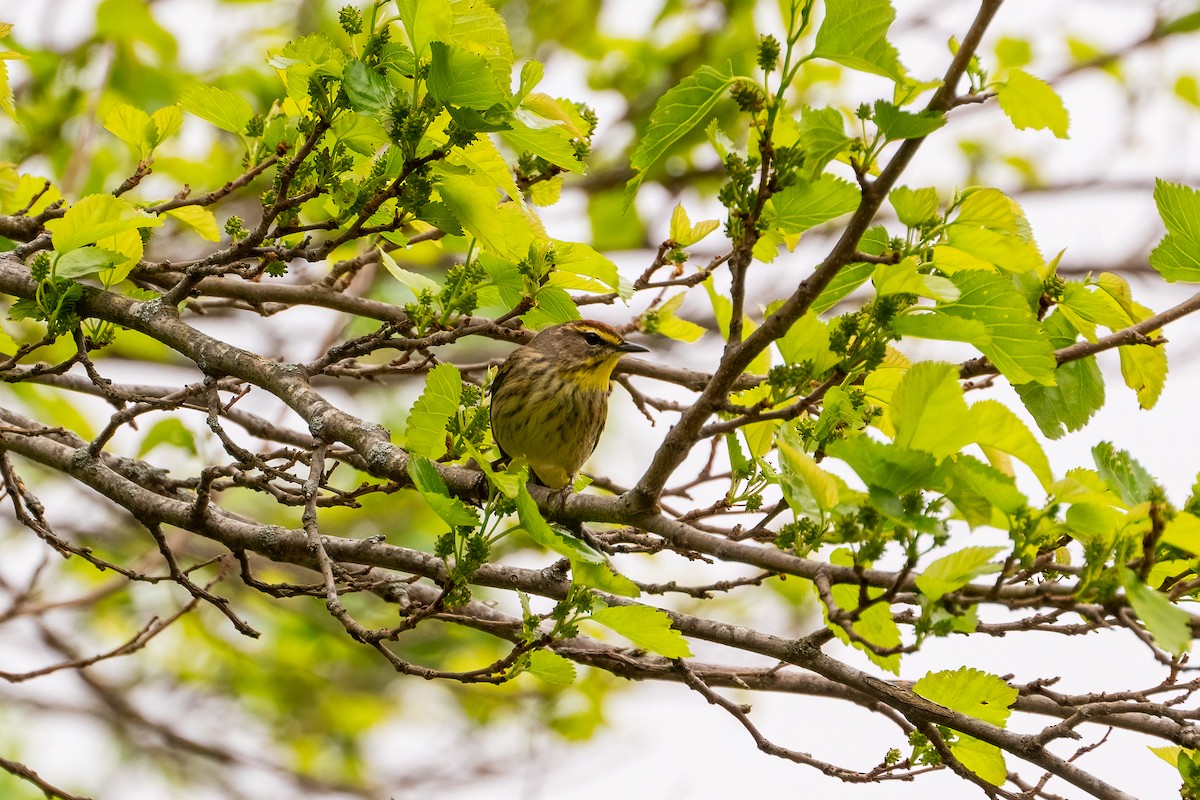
550	397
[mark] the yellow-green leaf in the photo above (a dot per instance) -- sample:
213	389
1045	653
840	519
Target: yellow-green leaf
646	627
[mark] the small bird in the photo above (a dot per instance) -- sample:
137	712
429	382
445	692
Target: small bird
550	397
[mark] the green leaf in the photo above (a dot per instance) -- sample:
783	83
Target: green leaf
805	205
994	427
167	431
808	340
432	488
425	431
224	109
994	317
551	307
914	206
366	89
666	323
1144	368
1169	624
95	217
978	491
854	34
928	411
132	126
684	233
199	219
581	259
1030	102
675	114
849	278
874	624
1077	393
534	524
976	694
425	21
953	571
889	467
823	137
1177	256
1183	531
415	281
85	261
992	227
1123	473
552	143
603	577
896	124
461	78
905	278
1078	390
502	229
806	486
551	668
648	628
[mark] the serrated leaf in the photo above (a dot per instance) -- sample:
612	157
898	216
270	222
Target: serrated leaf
1123	473
503	229
807	204
425	431
1177	256
415	281
132	126
849	278
675	114
1144	368
994	427
874	624
603	577
552	143
976	694
854	34
822	134
684	233
666	323
1169	624
366	89
551	668
928	411
991	227
914	206
1030	102
978	491
425	21
199	219
93	218
894	469
896	124
995	318
1183	531
582	259
222	108
805	486
534	524
462	78
84	261
955	570
905	278
648	628
432	488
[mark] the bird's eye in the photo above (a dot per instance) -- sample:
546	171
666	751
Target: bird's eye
592	338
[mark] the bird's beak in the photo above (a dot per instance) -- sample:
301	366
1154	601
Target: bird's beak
630	347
